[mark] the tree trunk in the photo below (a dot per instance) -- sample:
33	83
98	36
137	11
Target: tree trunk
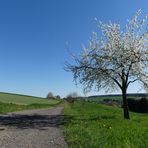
125	105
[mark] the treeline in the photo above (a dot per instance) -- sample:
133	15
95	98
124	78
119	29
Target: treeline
119	95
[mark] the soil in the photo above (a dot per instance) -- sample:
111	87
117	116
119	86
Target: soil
32	129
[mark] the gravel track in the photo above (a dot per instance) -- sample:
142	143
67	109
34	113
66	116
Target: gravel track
32	129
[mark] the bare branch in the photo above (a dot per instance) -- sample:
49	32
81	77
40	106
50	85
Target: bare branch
132	81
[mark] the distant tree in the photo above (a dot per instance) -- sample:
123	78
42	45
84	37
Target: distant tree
50	95
58	97
72	97
116	60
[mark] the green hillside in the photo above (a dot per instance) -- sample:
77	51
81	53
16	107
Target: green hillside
24	100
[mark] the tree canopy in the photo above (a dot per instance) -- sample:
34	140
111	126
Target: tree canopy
116	59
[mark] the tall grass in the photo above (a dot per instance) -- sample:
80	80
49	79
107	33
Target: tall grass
90	125
10	107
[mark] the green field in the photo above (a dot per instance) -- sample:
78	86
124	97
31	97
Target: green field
10	107
90	125
15	102
24	100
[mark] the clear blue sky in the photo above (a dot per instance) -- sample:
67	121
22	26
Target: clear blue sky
33	34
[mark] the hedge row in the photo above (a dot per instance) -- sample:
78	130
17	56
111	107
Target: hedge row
140	106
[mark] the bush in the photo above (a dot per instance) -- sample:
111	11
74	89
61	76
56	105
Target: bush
112	102
140	106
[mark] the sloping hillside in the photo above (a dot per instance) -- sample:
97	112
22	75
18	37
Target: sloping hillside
24	100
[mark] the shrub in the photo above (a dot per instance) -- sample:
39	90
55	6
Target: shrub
112	102
140	106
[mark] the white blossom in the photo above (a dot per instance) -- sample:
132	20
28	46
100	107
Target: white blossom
117	59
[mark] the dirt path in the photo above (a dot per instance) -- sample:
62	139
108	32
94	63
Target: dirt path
32	129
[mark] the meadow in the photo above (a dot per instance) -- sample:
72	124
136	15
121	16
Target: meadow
24	100
15	102
101	126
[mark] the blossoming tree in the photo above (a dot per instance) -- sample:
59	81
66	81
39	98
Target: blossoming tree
116	60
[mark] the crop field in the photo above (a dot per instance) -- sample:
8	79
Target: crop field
101	126
24	100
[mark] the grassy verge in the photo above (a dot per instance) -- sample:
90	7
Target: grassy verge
10	107
101	126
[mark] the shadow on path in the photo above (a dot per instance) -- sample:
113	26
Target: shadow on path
32	121
42	122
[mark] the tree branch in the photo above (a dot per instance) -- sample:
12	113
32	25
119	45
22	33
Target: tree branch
132	81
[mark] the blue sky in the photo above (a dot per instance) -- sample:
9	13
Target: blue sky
33	35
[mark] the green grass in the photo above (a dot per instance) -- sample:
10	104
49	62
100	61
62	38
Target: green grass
15	102
90	125
10	107
24	100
